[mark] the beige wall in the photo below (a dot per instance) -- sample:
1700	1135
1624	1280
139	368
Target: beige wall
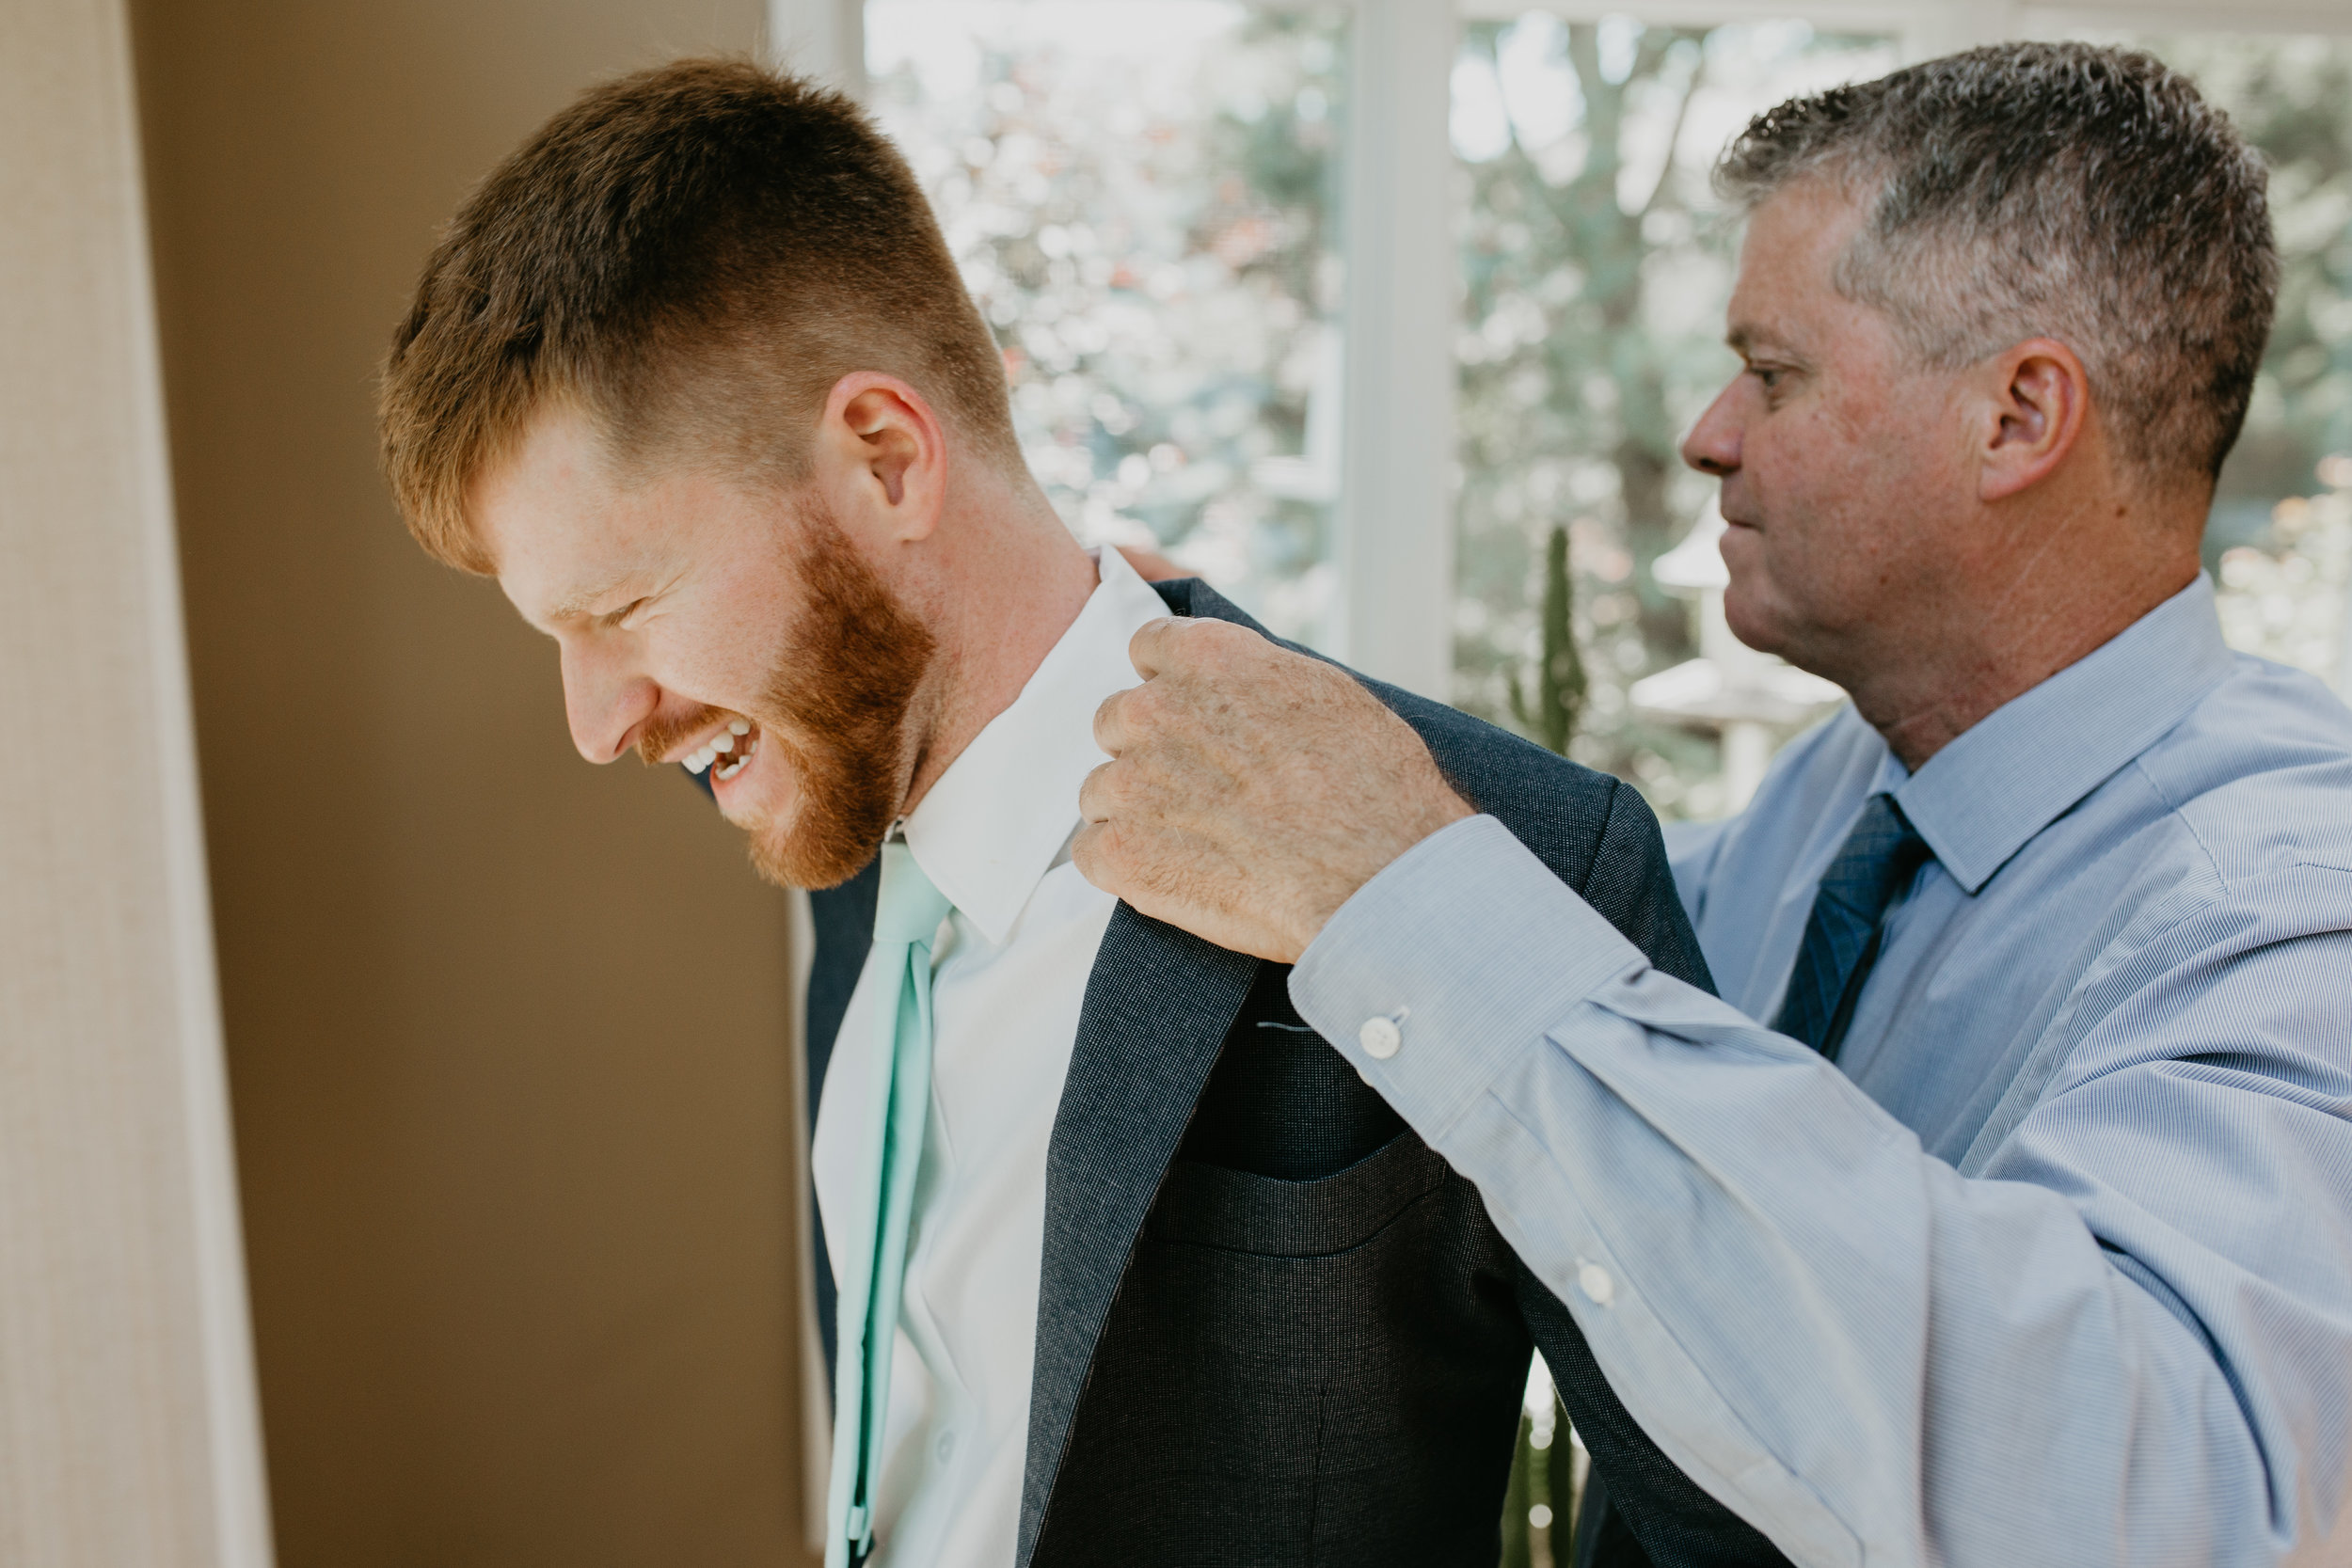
507	1034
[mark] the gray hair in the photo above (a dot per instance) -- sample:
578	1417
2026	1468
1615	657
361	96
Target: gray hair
2055	190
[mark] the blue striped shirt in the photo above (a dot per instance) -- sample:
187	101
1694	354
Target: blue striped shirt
2055	1264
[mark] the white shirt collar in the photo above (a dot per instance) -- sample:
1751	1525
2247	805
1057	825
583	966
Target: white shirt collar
995	823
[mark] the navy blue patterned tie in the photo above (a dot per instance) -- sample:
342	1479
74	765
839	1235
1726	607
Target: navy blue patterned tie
1842	937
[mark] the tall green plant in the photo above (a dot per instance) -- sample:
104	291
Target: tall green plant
1539	1506
1559	684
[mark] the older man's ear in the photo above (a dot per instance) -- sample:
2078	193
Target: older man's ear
2037	411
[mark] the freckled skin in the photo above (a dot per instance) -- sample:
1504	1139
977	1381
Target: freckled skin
1833	522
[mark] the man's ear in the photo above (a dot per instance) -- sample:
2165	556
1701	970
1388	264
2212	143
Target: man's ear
2039	406
881	458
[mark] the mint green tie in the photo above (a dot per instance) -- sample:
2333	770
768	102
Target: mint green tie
906	919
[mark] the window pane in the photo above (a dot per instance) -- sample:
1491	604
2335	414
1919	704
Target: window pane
1142	195
1596	267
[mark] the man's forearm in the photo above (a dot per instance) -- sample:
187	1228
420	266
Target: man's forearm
1869	1358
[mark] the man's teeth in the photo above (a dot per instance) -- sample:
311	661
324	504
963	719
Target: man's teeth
722	745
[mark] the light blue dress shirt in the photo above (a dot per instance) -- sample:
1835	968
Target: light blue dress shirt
2055	1264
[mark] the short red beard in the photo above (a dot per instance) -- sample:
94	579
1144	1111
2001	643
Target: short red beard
834	713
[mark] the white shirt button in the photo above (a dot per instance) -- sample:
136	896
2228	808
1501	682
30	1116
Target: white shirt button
1595	1282
944	1446
1380	1037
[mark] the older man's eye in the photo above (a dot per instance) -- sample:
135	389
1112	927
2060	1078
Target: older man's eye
620	618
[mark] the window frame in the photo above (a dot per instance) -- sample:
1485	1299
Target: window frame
1393	533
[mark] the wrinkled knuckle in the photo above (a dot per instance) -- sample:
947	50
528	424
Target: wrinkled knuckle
1143	708
1109	721
1192	640
1092	793
1113	790
1227	644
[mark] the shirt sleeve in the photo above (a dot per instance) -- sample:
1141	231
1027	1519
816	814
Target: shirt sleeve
2129	1340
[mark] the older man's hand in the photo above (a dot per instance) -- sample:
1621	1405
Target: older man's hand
1251	790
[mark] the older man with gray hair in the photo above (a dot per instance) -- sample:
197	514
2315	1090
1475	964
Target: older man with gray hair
2000	1211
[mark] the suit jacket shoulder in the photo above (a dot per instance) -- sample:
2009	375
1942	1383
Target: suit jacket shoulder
1569	814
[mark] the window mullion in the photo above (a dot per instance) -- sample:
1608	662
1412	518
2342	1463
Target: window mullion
1394	544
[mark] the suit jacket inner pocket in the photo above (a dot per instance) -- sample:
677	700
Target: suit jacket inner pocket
1204	1205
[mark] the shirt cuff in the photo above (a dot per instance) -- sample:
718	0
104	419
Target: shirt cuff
1471	948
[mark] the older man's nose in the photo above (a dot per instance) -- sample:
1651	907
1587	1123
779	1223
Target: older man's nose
1712	447
605	703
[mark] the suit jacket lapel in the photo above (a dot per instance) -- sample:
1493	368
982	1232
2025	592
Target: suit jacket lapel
1158	1007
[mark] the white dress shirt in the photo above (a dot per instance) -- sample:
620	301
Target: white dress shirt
1010	973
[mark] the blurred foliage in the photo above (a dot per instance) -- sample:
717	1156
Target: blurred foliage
1143	200
1552	713
1596	266
1539	1505
2289	596
2292	99
2280	539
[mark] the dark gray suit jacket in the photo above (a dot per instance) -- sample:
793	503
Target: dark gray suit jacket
1273	1328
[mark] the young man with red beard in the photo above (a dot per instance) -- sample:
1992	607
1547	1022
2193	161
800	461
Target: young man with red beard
1132	1265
